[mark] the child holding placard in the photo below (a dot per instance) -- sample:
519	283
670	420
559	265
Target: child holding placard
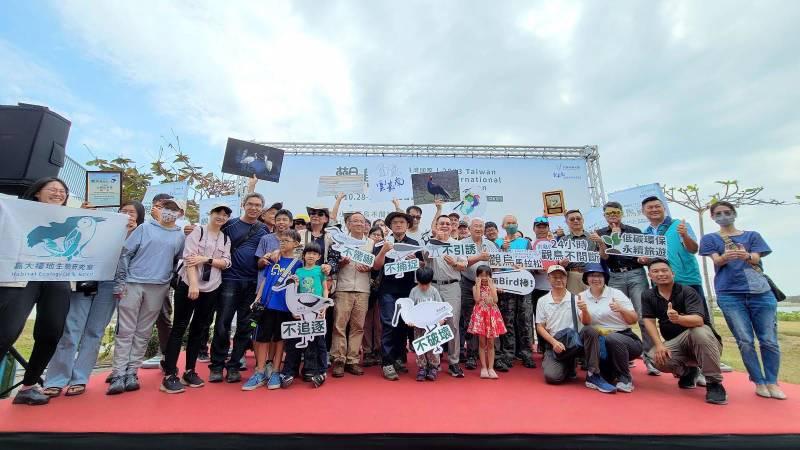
486	320
428	362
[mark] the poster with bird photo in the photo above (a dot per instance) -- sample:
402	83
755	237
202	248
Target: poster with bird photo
428	187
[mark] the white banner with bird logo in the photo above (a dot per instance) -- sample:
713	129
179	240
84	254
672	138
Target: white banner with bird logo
44	242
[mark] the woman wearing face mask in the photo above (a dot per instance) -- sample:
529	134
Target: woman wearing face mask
52	305
141	285
91	307
745	297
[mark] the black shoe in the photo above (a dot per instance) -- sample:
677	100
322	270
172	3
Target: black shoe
500	366
132	382
318	380
471	363
233	376
191	379
215	376
203	357
455	371
687	381
171	385
715	393
32	396
117	385
307	377
110	377
400	367
528	362
509	362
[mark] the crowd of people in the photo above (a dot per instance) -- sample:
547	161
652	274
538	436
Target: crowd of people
226	283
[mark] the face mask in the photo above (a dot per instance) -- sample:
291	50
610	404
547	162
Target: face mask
725	221
511	229
169	215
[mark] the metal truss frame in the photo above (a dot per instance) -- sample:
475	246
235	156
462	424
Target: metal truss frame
589	153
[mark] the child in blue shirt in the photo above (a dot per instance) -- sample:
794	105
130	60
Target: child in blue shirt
268	345
310	279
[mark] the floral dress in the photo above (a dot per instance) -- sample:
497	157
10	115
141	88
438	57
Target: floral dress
486	319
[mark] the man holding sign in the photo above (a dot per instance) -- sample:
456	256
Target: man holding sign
352	299
627	274
393	346
446	278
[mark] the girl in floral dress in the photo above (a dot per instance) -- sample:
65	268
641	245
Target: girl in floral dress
486	321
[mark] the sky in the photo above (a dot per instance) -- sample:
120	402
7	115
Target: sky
676	92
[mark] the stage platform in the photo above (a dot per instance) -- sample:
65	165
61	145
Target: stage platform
517	411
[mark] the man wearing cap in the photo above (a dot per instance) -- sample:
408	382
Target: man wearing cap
484	246
690	343
237	291
516	309
446	278
414	232
268	216
393	346
558	325
141	286
541	231
627	274
463	229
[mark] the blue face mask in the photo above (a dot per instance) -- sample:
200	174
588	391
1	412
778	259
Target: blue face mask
511	229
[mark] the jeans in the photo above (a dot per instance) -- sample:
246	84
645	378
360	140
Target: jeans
393	339
76	354
186	310
749	316
315	357
632	283
235	297
52	305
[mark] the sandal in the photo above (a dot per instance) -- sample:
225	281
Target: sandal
75	389
52	392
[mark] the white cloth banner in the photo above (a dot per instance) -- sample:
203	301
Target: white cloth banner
43	242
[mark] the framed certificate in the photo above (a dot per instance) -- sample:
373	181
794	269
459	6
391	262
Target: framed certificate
553	203
104	189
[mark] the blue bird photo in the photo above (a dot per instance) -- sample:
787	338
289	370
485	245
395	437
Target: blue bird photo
67	238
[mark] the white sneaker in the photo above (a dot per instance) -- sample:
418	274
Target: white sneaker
700	380
625	387
152	363
725	368
762	391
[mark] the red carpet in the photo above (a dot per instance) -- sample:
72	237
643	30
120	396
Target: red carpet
520	403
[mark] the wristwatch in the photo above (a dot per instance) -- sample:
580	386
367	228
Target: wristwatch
210	261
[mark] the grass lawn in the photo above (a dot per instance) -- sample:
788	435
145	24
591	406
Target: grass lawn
788	334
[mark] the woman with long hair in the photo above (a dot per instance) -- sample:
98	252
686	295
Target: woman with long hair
92	305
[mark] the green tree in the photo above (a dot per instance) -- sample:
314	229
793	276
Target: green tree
173	164
689	197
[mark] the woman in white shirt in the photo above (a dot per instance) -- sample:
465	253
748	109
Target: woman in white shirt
608	314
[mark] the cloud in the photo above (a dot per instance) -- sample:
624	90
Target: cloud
677	92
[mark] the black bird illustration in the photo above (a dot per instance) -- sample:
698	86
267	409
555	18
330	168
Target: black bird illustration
435	189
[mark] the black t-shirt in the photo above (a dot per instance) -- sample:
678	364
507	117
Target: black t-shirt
684	300
400	286
617	262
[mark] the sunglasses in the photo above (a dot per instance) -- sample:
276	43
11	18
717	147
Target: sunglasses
318	213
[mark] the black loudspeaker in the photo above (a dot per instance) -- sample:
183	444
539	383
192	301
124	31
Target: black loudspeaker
32	142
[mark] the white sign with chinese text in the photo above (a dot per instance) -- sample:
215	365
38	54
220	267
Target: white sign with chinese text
460	249
433	340
43	242
357	255
303	329
519	282
400	267
388	179
634	244
526	259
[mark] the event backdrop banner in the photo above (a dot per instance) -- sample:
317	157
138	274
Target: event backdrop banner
44	242
490	187
631	200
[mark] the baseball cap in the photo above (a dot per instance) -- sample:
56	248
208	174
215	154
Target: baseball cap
540	219
463	223
223	206
556	268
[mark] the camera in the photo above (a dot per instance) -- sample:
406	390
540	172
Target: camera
256	311
89	288
206	274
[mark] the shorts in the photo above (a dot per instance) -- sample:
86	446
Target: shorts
269	327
